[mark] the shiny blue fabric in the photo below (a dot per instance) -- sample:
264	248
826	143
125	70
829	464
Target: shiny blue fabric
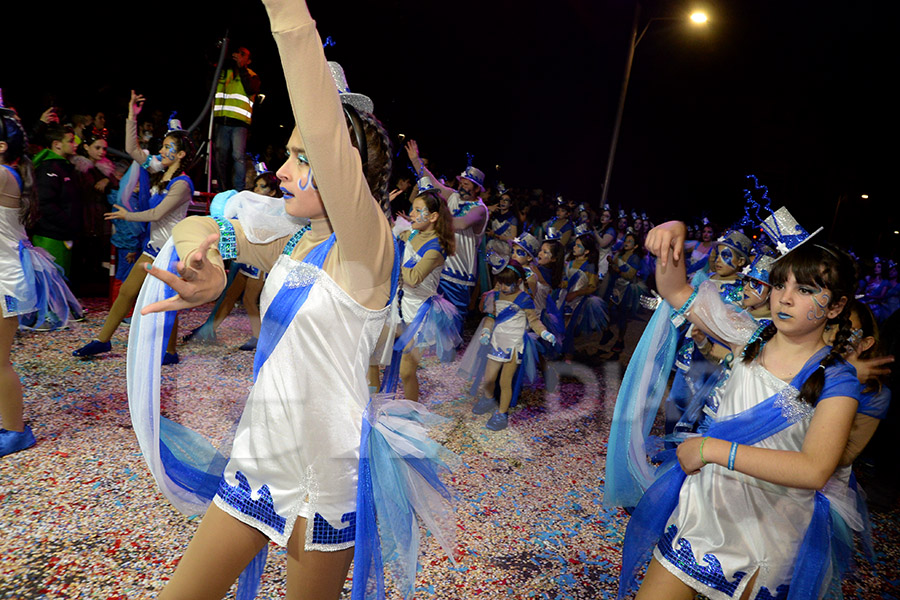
285	306
636	407
392	483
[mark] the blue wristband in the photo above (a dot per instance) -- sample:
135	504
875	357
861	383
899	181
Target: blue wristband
227	242
732	455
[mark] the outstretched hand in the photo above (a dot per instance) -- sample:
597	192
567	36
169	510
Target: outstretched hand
412	151
198	282
662	237
118	213
135	105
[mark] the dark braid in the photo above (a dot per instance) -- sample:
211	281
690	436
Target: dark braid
378	173
815	383
752	350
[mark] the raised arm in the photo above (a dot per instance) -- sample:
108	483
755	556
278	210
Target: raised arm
363	235
666	242
132	147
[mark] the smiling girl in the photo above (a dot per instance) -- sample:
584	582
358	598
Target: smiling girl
739	516
170	193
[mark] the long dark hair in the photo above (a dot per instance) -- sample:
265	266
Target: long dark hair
557	266
379	156
183	142
444	224
824	266
869	327
13	133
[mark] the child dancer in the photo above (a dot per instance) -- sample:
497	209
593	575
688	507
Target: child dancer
585	313
748	502
171	192
305	463
429	321
504	343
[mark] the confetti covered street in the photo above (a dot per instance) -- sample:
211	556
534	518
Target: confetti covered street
82	517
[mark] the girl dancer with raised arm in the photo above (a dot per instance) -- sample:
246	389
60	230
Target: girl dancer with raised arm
299	474
170	194
739	516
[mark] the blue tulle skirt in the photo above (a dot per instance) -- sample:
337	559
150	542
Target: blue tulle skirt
47	301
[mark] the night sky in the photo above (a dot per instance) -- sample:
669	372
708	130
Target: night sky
793	92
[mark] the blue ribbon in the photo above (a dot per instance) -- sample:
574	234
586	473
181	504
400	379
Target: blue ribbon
285	306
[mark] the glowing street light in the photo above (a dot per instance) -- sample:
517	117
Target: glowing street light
698	18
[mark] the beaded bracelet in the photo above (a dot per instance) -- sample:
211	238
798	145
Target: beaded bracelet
732	455
227	242
703	441
677	316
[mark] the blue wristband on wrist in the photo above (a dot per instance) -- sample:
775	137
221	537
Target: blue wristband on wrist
732	455
227	242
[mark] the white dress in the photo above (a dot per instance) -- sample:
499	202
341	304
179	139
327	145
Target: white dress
296	450
727	525
507	340
12	277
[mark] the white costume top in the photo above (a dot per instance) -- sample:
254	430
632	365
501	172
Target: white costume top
12	278
506	340
460	268
415	295
728	525
736	521
300	430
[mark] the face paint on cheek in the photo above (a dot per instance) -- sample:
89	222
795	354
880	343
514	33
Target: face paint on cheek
727	257
821	300
309	183
170	152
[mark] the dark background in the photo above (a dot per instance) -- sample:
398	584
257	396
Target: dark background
793	92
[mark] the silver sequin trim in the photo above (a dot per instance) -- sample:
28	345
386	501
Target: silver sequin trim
304	274
792	409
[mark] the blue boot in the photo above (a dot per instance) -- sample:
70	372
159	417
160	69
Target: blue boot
14	441
171	358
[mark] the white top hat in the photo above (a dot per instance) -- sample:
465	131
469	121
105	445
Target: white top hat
474	175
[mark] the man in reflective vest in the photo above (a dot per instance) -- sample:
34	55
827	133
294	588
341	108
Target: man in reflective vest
233	112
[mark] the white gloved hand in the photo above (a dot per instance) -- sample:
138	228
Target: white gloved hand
485	337
549	337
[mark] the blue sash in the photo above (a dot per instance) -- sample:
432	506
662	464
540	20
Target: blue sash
748	427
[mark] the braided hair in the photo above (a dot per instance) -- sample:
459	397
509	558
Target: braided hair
378	165
13	133
824	266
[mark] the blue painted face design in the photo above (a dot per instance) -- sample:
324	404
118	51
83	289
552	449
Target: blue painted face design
518	251
821	299
310	182
170	151
421	214
727	257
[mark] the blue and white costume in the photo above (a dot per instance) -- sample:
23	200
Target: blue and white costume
717	528
510	341
32	287
458	276
428	320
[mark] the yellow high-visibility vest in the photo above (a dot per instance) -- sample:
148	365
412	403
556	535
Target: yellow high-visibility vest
231	99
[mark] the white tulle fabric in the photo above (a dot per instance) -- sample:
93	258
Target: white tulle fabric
725	321
263	218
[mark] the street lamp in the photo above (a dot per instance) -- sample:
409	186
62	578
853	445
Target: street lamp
697	18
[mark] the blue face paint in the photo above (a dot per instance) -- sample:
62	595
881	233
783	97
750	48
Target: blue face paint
821	300
727	257
310	183
518	251
171	151
420	214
